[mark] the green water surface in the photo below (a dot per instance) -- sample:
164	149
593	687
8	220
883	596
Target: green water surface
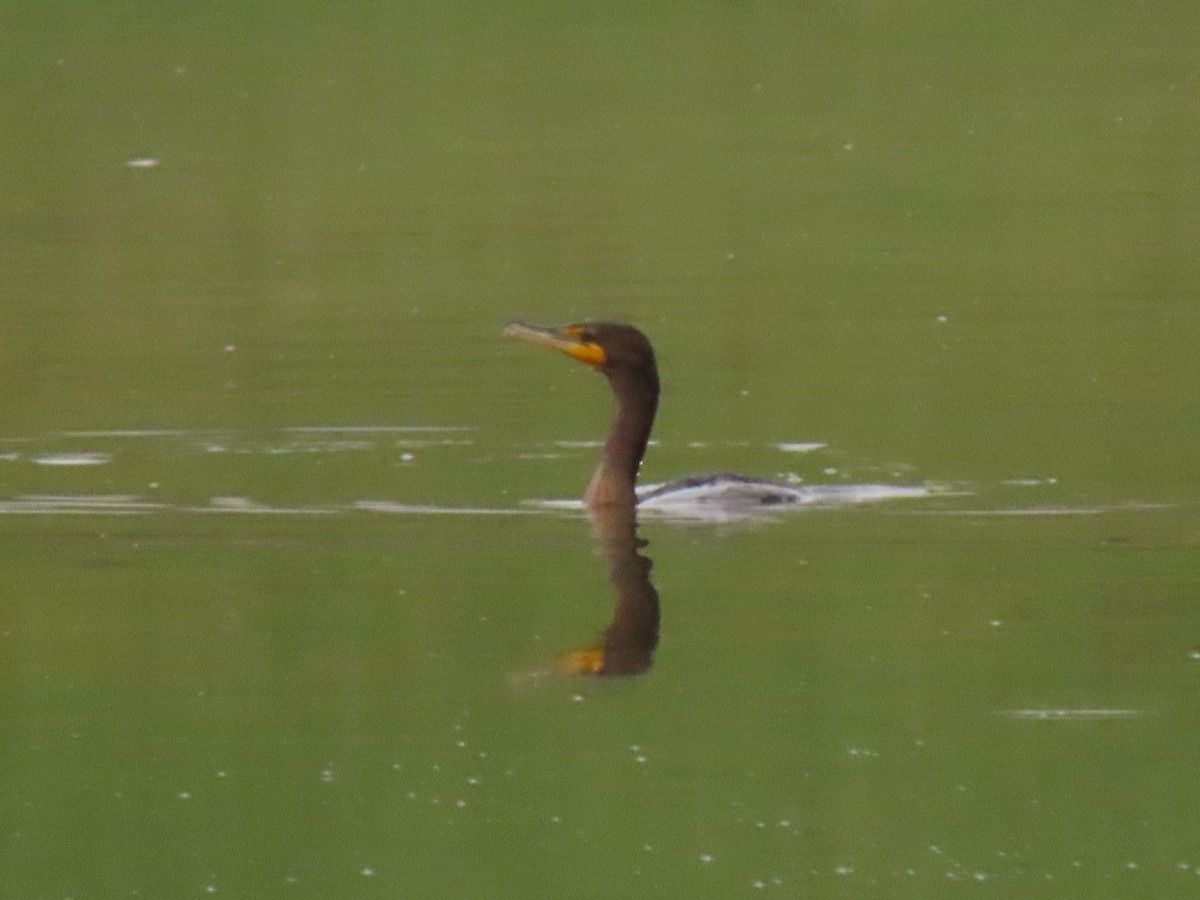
275	619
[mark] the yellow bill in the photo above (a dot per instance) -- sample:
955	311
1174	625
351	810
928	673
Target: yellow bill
568	339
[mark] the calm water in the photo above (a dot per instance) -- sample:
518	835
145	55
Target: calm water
278	618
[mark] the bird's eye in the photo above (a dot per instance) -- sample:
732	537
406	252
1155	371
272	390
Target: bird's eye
587	336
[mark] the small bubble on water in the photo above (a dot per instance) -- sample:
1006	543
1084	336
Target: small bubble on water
706	857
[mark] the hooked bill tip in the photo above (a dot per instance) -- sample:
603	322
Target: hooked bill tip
512	328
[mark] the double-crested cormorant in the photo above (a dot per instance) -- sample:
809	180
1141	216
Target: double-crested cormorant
624	356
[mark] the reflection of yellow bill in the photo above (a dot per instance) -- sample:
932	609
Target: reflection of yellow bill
584	661
568	339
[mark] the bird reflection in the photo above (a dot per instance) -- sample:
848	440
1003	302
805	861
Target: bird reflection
627	645
624	356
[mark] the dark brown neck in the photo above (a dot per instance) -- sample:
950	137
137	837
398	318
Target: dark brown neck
637	402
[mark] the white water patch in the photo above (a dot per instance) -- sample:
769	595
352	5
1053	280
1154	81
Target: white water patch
124	433
326	446
72	459
376	429
1046	510
244	505
45	449
563	505
79	505
1028	511
424	443
853	494
131	505
314	439
801	446
407	509
1060	714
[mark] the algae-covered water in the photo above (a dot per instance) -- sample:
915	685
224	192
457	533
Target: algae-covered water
278	617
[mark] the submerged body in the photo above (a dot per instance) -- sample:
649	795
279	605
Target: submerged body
728	497
625	357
